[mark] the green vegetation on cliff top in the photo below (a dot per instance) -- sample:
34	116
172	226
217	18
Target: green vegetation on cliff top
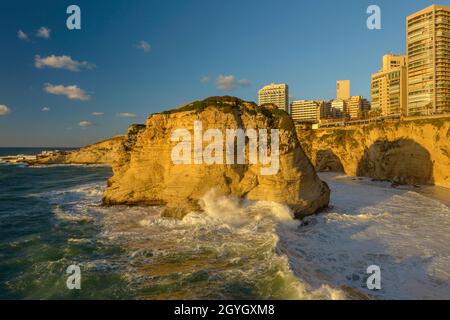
229	104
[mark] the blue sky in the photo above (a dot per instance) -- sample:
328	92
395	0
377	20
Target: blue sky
307	44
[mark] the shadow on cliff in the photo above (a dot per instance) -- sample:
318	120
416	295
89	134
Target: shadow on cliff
327	160
402	161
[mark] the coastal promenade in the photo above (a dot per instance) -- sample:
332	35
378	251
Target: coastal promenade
382	119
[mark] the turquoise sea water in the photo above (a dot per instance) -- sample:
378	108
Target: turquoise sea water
35	245
51	217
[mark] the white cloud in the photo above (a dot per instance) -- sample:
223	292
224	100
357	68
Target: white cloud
43	32
243	82
145	46
97	114
45	109
204	79
61	62
22	35
126	115
85	124
72	92
228	83
4	110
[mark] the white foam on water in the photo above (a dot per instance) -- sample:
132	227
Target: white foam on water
236	211
257	244
232	240
89	193
76	204
403	232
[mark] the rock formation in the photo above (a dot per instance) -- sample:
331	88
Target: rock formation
407	152
103	152
144	172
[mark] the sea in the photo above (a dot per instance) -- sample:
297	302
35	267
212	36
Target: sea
51	217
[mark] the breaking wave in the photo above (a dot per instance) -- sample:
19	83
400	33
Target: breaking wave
240	249
231	250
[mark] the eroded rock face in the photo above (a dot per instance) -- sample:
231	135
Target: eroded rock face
104	152
407	152
403	161
326	161
146	174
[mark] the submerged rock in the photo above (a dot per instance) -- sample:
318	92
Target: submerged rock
145	173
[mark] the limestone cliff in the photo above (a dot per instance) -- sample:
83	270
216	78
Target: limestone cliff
146	174
407	152
103	152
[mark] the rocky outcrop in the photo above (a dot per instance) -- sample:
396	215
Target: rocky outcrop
406	152
103	152
145	172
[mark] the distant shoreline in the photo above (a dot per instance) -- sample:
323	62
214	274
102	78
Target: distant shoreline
71	148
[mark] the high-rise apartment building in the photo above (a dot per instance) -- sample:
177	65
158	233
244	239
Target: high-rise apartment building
338	107
388	86
355	107
392	61
343	89
366	105
305	110
325	109
278	94
428	52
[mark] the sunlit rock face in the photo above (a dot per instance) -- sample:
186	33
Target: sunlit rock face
145	172
103	152
407	152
